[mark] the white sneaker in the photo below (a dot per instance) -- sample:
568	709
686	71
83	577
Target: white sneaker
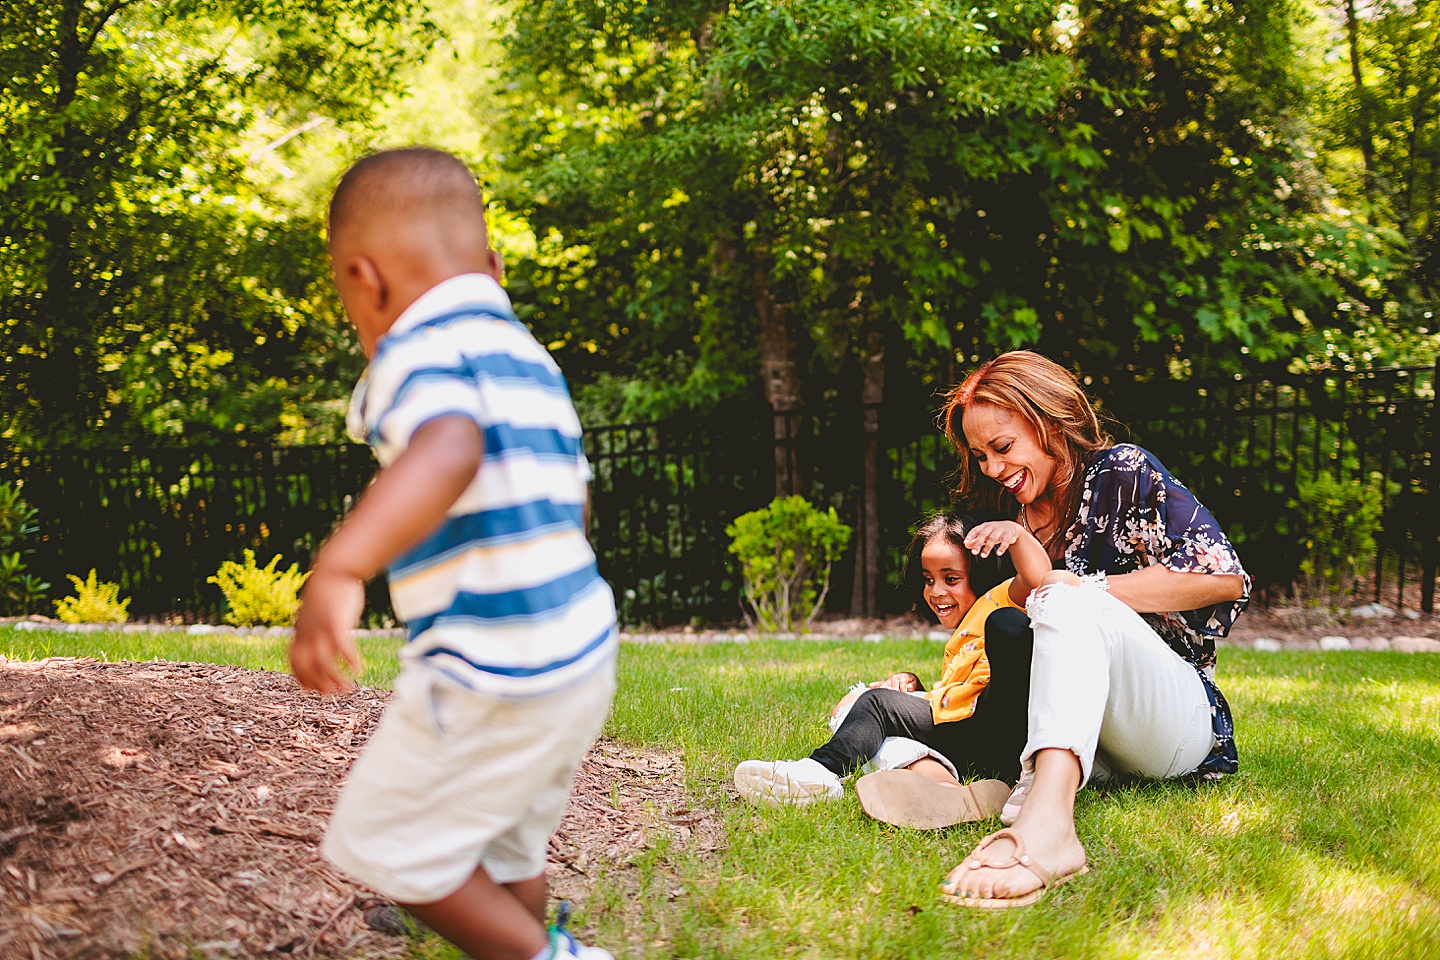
1099	773
778	782
1011	810
563	946
564	951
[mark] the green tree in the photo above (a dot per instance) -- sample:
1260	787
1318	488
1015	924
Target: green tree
1382	112
813	196
148	286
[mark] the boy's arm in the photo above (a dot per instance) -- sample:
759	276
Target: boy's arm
1032	563
407	501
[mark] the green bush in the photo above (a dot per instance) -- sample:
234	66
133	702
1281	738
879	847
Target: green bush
259	595
1340	519
786	551
20	592
94	602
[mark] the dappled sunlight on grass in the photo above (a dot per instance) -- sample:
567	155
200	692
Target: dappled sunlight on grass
1324	846
256	652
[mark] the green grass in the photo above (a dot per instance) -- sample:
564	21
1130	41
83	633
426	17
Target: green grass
1324	846
253	652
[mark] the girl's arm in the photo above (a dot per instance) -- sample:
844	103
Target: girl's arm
1032	563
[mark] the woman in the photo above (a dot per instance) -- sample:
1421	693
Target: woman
1124	635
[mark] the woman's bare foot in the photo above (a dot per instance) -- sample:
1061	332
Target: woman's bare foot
1046	825
1051	844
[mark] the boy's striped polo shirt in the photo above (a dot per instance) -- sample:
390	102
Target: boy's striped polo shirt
504	597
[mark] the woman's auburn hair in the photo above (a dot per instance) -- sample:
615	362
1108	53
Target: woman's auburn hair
1047	397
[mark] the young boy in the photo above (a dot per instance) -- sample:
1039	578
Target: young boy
478	512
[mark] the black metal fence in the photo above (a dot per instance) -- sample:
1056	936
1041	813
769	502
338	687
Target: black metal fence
161	521
1246	445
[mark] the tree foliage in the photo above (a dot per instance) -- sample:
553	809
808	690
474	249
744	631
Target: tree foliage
148	286
1111	181
1381	110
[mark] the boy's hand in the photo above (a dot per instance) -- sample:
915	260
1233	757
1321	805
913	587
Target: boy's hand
406	502
996	536
904	682
330	606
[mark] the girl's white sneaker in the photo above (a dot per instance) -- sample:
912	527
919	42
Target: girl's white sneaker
780	782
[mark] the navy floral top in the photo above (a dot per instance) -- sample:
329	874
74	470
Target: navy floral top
1133	514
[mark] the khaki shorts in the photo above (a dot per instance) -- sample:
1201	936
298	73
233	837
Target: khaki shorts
452	780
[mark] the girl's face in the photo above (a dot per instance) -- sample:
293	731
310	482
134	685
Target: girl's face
946	569
1008	451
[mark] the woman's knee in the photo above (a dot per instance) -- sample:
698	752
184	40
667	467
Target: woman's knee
872	701
1062	605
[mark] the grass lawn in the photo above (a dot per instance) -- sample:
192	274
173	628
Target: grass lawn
1325	845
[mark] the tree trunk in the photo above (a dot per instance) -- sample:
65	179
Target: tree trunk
781	377
867	533
63	389
1362	101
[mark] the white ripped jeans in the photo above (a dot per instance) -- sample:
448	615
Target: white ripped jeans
1101	679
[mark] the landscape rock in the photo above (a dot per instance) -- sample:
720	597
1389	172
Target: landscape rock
1372	610
1336	643
1415	645
1267	645
937	635
873	637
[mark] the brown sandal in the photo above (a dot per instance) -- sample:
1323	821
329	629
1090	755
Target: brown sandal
908	799
1019	858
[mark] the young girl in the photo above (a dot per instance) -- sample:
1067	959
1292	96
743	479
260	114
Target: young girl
984	675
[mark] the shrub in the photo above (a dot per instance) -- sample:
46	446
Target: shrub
1340	519
94	602
259	595
786	551
20	592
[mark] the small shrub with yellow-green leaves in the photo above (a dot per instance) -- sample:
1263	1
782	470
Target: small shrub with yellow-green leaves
259	595
1341	519
95	601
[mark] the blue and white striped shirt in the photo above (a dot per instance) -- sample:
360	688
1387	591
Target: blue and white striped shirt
504	597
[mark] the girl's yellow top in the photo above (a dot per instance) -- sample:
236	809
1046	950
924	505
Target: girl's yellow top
965	671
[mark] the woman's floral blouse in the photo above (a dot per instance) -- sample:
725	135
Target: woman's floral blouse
1132	514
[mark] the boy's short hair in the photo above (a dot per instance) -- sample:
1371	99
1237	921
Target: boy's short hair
984	572
413	183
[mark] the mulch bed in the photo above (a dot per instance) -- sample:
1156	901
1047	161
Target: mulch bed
176	809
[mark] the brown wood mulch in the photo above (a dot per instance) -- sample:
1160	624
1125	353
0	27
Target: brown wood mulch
175	809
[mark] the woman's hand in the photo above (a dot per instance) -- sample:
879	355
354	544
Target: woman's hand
904	682
995	536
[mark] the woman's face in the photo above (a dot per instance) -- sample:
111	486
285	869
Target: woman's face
1008	451
946	569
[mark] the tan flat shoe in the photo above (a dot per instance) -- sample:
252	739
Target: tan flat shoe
907	799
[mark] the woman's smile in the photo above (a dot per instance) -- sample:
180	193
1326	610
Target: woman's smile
1008	450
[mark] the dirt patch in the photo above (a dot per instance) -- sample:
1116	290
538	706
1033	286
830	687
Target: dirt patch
176	808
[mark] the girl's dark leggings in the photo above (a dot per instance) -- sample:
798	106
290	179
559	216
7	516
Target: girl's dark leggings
985	744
